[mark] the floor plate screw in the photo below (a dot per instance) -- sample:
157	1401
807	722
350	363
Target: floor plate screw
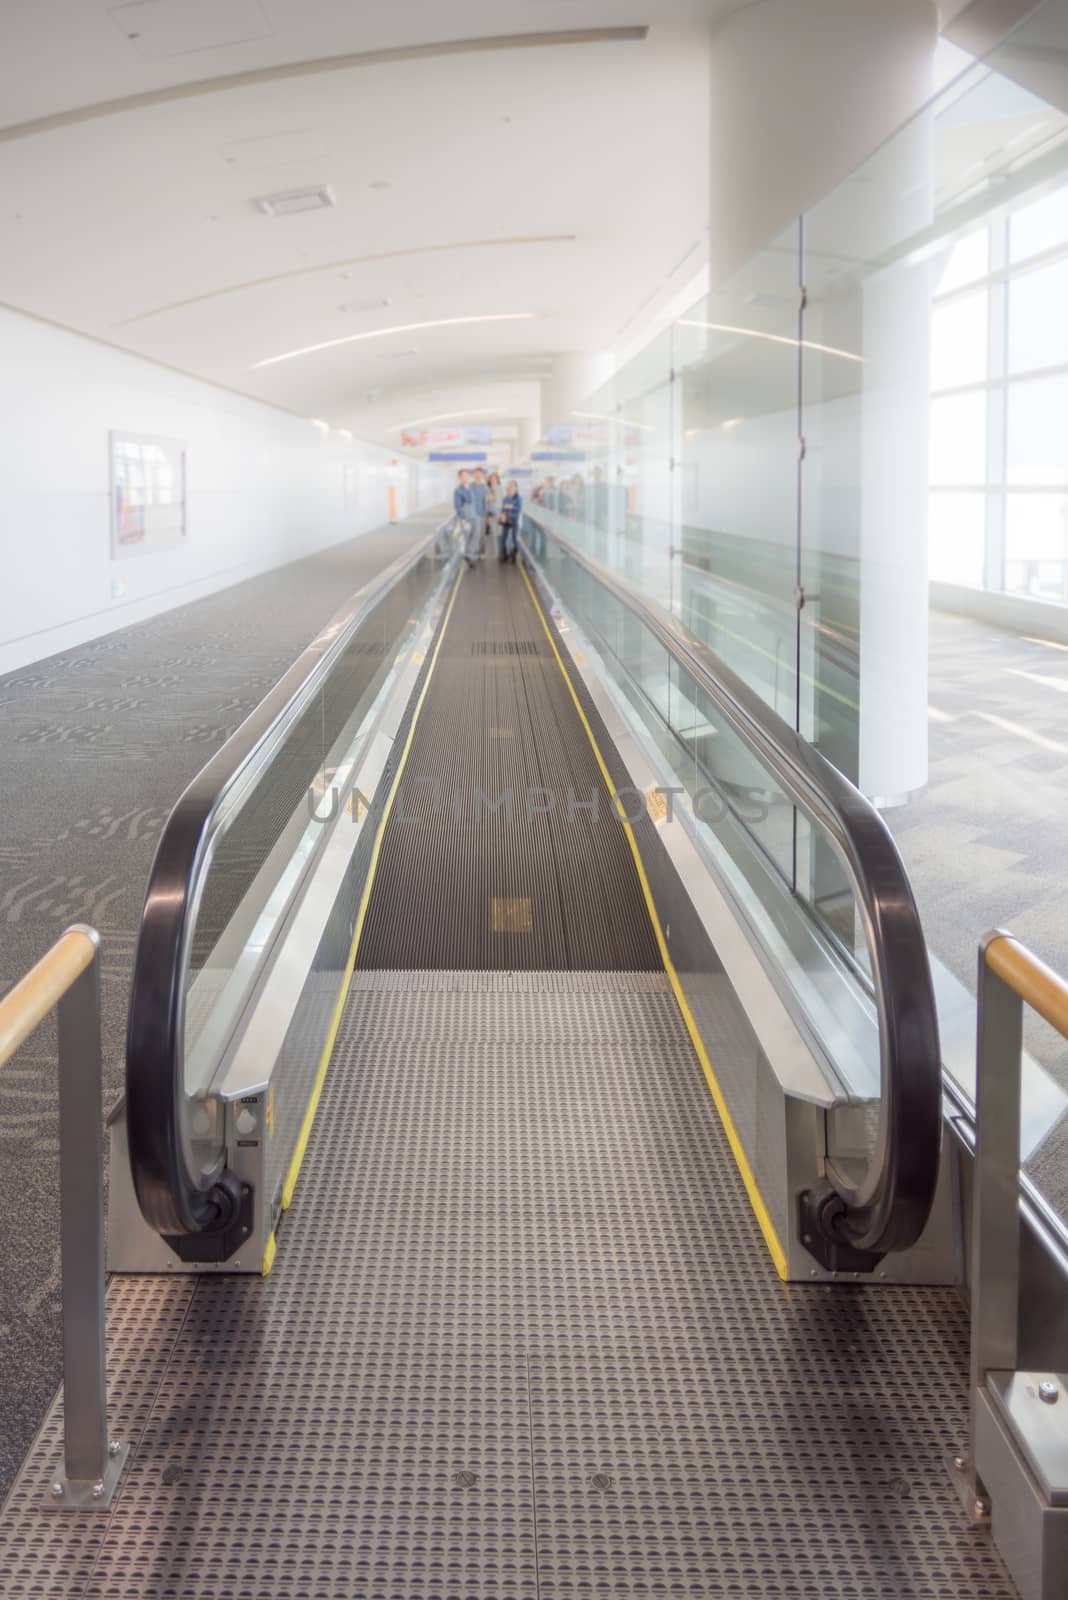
114	1447
1048	1391
982	1510
98	1490
57	1491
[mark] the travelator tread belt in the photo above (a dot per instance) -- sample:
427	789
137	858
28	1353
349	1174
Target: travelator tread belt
503	849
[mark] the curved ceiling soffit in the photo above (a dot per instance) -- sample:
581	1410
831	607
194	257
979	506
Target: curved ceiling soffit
339	265
304	69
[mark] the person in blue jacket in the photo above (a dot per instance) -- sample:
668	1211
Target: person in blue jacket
463	503
511	512
481	494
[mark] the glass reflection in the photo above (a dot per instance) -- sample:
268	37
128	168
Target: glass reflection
845	471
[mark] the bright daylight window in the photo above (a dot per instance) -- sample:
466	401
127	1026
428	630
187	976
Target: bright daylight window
999	405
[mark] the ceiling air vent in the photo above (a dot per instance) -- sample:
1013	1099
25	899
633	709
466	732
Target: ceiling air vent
289	201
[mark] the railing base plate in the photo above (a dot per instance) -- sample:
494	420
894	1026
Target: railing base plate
88	1494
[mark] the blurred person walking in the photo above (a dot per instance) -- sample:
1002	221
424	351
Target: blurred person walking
463	503
511	513
494	499
478	489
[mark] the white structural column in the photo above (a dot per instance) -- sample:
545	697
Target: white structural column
802	92
529	432
576	376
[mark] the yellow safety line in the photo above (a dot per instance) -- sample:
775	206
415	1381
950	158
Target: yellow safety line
324	1062
771	1238
268	1255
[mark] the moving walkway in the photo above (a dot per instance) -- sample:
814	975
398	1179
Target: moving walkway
528	1181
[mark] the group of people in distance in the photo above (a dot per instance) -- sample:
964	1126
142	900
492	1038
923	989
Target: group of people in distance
601	502
480	507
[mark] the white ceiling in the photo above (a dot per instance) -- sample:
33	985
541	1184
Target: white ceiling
564	181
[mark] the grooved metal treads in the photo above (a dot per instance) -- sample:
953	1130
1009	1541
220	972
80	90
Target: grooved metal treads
502	801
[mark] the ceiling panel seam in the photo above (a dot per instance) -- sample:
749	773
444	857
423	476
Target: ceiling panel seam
335	266
303	69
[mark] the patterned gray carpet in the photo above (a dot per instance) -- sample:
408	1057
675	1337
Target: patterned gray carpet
987	845
96	744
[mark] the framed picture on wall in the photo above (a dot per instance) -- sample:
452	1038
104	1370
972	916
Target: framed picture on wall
148	493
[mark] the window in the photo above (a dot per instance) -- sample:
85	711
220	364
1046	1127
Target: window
968	260
957	535
1036	545
959	334
958	439
1038	328
1043	225
1037	454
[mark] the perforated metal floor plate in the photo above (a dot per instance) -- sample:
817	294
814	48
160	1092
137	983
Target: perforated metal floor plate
49	1553
523	1338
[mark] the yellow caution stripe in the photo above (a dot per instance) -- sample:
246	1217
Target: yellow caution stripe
320	1077
760	1210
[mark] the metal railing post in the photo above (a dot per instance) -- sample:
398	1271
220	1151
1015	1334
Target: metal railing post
91	1463
995	1264
1017	1471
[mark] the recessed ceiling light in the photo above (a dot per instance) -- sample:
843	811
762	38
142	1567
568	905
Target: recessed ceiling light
381	303
288	202
384	333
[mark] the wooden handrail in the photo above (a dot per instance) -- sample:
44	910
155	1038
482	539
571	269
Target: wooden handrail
32	998
1035	983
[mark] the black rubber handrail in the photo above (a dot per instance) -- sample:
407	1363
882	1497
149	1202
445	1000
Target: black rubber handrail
888	1209
173	1199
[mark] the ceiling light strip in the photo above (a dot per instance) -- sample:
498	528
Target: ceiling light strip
617	422
772	338
306	69
384	333
342	262
445	416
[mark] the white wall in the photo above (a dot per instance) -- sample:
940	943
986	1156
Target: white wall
264	488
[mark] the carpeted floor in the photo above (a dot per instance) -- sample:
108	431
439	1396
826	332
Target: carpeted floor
96	744
986	845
